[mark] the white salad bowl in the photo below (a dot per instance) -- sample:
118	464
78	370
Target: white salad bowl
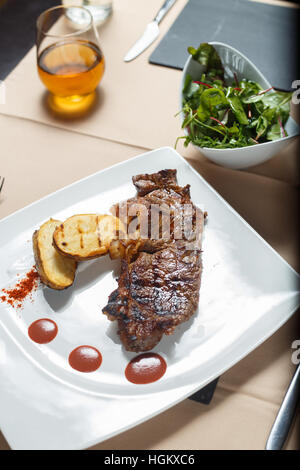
234	62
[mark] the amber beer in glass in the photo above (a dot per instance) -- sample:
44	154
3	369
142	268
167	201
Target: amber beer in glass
70	61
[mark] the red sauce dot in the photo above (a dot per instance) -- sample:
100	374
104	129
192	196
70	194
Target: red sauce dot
146	368
43	331
85	359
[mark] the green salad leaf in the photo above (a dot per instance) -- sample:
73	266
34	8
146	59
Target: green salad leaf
238	114
207	55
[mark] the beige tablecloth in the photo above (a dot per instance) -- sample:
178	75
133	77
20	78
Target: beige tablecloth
40	154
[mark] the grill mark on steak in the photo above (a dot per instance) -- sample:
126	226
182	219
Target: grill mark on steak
159	284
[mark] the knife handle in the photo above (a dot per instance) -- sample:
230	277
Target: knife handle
164	10
286	414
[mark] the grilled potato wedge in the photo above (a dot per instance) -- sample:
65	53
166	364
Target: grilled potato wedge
55	270
87	236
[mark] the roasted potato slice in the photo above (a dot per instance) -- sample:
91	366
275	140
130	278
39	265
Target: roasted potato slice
55	270
87	236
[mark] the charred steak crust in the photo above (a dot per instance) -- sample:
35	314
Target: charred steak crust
147	183
159	284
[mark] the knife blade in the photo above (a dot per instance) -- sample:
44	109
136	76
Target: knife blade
150	34
286	414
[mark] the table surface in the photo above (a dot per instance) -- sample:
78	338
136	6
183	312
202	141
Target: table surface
33	143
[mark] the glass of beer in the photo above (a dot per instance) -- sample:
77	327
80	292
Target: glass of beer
70	61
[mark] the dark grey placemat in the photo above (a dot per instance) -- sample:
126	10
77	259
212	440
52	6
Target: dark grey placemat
267	34
206	394
17	30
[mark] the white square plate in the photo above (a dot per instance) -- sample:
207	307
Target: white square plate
248	291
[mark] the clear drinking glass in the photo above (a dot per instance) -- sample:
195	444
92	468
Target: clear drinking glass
100	9
70	61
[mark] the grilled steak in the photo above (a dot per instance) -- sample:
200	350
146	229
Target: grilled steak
160	276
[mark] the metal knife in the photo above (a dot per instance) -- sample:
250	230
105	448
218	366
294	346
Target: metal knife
150	34
286	414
